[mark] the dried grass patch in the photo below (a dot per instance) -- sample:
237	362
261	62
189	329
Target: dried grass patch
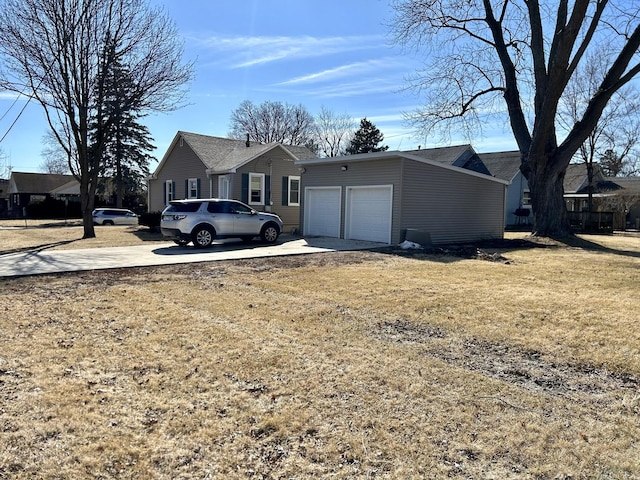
67	235
346	365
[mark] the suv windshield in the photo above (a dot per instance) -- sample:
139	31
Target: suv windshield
183	207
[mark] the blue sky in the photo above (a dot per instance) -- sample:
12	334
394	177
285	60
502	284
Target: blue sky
336	54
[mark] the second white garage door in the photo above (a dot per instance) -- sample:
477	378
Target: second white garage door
368	213
322	211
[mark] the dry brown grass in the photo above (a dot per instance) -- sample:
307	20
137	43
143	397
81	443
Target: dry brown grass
61	235
340	365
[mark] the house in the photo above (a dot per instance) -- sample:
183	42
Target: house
43	195
263	176
392	196
4	200
576	187
506	166
463	156
626	199
607	192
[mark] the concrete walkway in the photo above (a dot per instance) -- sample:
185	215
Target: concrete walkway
37	262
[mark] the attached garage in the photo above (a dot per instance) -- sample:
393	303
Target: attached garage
380	196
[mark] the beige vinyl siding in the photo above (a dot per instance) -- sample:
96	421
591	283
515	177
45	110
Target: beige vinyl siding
277	164
452	206
181	165
374	172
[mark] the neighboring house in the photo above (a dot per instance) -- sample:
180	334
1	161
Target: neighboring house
4	197
626	199
48	195
506	166
576	187
463	156
263	176
387	196
29	190
609	193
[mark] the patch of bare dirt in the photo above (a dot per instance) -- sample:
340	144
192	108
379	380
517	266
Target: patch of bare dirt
528	369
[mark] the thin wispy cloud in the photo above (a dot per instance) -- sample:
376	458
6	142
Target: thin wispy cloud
368	86
247	51
343	71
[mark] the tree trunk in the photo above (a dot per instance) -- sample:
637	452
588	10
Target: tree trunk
550	217
86	206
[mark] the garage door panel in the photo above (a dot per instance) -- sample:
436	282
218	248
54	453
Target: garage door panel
369	213
322	211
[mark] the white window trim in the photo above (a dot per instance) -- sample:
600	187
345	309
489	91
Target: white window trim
261	176
189	184
169	193
289	202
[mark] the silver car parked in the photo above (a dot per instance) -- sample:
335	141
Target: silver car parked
202	220
114	216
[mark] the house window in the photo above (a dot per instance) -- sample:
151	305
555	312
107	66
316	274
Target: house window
256	189
169	194
526	197
223	186
192	190
294	191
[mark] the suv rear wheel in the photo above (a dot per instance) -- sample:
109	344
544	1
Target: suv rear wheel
202	236
269	233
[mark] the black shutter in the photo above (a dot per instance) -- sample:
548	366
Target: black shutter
285	191
245	188
267	190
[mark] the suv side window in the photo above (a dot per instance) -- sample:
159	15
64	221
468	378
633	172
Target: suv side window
240	208
217	207
187	207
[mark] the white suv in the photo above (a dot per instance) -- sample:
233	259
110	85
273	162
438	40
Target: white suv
114	216
203	220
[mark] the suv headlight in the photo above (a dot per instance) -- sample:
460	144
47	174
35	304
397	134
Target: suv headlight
174	217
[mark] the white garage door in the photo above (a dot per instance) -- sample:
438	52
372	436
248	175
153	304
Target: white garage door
368	213
322	211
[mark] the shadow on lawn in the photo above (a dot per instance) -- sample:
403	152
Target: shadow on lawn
149	234
577	242
37	248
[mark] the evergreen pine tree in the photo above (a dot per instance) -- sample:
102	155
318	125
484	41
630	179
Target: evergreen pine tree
366	139
127	142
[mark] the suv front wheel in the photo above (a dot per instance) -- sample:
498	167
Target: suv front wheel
269	233
202	236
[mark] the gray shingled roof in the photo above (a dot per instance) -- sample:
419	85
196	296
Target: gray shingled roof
39	182
448	155
503	165
225	154
630	184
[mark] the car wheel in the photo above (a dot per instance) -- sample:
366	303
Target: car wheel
181	242
203	236
269	233
108	222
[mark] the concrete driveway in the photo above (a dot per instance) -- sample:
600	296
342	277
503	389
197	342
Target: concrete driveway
36	262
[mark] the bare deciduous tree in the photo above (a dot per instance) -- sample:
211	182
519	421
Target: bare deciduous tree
272	122
59	53
5	166
55	158
521	55
333	132
618	128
